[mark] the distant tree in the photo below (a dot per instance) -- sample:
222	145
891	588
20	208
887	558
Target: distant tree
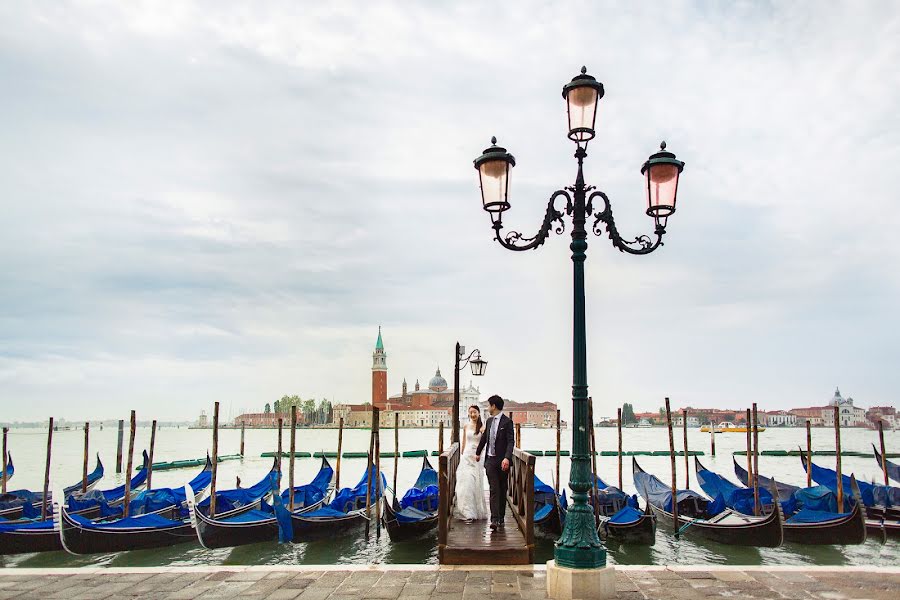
628	414
268	408
662	414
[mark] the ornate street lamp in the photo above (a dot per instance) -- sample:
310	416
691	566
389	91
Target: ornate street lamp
579	546
478	365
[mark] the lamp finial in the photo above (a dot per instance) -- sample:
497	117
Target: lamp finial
494	140
583	70
662	145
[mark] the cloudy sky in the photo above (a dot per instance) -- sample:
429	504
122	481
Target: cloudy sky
223	201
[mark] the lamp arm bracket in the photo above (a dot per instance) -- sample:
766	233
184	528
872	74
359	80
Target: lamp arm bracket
516	241
642	244
465	361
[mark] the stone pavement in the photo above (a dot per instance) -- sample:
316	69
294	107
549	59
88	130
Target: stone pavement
389	582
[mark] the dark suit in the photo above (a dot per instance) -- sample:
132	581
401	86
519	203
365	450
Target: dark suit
498	480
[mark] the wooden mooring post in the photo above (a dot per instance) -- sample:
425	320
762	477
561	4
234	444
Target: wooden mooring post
672	461
396	449
558	448
808	453
687	464
750	483
152	449
441	437
712	438
880	440
129	466
215	460
242	437
369	462
44	498
837	447
119	446
84	463
337	468
757	507
378	491
291	459
280	448
619	432
5	463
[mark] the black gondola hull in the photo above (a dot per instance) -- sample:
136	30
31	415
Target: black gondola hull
399	531
26	541
639	533
317	528
845	531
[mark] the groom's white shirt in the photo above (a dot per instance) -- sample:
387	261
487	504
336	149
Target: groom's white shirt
495	424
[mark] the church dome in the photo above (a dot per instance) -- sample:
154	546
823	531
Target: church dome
437	383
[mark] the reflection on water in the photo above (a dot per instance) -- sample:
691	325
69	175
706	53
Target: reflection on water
27	447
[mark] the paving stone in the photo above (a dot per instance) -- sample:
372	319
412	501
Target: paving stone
386	592
284	594
316	593
732	576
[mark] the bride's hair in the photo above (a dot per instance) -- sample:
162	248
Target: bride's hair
478	423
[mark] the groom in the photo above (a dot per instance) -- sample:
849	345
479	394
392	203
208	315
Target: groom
499	441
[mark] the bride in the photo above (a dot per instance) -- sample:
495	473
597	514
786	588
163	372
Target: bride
470	504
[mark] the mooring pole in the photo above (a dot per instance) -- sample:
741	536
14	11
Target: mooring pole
749	451
215	460
672	461
119	446
595	487
369	462
712	438
396	448
687	464
757	509
5	463
84	464
291	460
837	445
808	454
280	448
519	436
441	437
558	449
130	466
378	490
880	439
152	448
46	472
242	438
337	469
619	432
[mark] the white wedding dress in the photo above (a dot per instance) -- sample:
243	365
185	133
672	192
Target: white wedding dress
470	502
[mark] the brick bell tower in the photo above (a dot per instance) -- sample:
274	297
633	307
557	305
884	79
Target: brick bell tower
379	374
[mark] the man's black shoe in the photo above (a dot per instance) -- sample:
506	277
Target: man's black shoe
494	525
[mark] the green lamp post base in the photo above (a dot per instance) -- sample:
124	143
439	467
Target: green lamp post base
579	547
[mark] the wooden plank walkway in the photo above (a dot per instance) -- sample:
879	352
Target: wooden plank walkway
476	544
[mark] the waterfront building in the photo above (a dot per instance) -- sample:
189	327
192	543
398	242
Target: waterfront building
692	420
379	373
781	418
813	414
850	416
265	420
888	414
202	420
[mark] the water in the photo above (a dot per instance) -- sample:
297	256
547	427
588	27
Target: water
28	448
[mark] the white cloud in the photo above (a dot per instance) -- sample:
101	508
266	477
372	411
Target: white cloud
221	201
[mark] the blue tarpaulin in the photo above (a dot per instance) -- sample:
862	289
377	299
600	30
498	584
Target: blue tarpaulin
735	497
814	516
659	494
893	469
626	515
423	495
872	494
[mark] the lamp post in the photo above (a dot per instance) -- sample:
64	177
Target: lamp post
478	368
579	546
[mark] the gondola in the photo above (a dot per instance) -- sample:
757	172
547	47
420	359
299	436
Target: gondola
549	508
881	501
699	517
260	524
25	535
417	512
805	523
893	469
346	511
159	519
10	469
620	519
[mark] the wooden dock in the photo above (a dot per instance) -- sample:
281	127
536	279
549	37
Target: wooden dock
475	543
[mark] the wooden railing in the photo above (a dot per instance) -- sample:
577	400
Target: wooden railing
447	464
521	495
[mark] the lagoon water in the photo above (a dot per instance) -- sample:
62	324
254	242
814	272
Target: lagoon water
28	449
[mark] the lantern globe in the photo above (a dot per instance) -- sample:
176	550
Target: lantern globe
662	171
493	174
582	95
479	366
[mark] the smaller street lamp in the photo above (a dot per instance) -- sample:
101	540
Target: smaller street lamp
479	366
